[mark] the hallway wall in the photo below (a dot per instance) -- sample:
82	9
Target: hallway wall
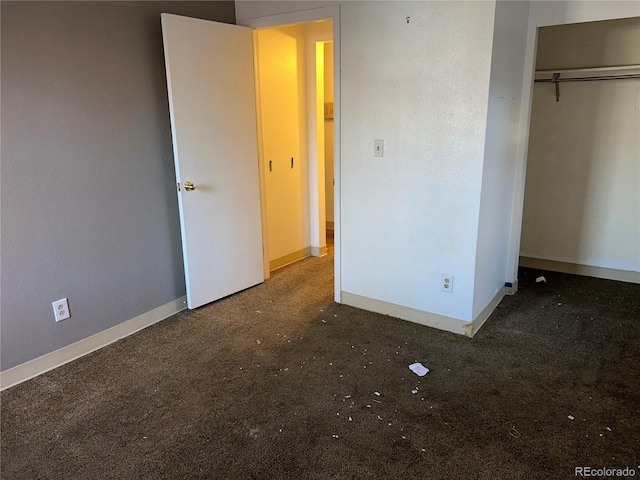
328	133
283	116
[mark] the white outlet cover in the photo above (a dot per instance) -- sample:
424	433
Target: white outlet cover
61	309
446	284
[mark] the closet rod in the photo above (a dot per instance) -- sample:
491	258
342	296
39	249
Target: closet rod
587	79
556	80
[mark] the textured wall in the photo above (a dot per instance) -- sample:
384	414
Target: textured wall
505	91
89	208
423	88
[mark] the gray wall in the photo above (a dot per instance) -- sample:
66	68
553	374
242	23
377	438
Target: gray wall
89	208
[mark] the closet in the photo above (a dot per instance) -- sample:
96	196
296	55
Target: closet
582	193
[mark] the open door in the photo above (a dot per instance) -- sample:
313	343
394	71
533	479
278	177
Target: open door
213	123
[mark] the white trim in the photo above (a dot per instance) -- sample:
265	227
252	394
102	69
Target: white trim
291	18
314	47
305	16
319	251
428	319
337	142
292	257
40	365
580	269
472	328
610	265
441	322
261	161
520	169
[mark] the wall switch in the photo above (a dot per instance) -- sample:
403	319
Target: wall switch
61	309
446	285
378	148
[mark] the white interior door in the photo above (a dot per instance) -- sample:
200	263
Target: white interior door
213	122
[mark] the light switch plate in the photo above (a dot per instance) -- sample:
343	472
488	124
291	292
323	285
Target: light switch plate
378	148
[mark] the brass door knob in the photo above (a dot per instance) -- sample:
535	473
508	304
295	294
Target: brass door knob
189	186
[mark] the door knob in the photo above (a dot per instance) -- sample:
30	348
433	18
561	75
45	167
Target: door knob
189	186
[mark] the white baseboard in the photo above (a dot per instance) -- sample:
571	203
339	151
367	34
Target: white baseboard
289	259
512	289
472	328
318	251
40	365
441	322
577	269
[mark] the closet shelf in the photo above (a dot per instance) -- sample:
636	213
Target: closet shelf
616	69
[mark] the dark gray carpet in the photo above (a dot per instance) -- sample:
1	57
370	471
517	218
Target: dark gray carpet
278	382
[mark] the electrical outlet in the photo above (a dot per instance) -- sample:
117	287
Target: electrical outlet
446	285
61	309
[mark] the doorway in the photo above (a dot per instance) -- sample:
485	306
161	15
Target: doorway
294	93
216	151
311	16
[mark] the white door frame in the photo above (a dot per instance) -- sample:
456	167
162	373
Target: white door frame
281	20
543	14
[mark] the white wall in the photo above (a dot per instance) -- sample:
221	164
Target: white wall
283	112
423	87
507	69
582	196
328	132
